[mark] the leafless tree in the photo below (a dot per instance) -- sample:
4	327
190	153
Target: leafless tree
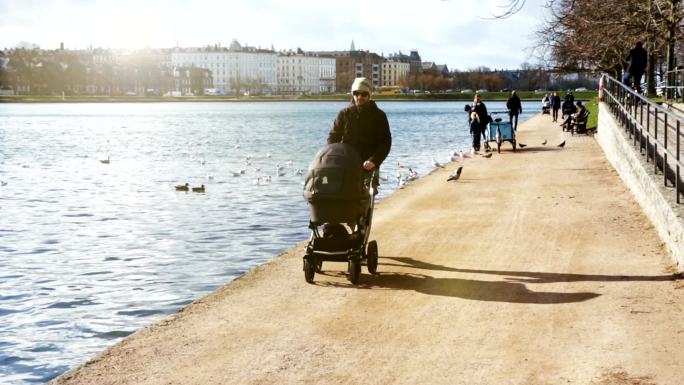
583	35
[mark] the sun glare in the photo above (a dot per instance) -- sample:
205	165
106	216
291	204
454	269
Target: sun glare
128	31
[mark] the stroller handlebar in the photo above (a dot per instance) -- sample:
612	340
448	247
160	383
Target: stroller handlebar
370	176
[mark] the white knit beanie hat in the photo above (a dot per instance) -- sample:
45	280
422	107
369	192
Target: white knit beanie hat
362	84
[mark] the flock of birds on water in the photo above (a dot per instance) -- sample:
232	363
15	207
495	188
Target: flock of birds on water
402	179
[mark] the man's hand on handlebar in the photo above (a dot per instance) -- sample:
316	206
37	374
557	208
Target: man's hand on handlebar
368	165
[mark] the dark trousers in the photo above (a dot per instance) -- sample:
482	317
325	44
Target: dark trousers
476	139
513	118
555	113
635	77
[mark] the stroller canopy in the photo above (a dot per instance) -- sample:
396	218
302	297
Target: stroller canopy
335	174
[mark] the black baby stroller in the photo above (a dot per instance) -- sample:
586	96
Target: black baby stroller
341	197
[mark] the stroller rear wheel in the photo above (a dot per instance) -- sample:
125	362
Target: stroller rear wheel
372	255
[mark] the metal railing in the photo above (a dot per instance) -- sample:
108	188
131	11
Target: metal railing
655	131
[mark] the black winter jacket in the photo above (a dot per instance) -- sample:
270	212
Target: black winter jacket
366	128
514	106
637	58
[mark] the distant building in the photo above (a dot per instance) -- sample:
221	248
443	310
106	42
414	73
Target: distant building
235	69
393	73
352	64
191	81
428	66
413	59
302	73
415	62
443	70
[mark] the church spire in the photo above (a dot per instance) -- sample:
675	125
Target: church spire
352	48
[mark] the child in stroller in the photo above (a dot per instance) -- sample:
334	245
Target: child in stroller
340	196
546	104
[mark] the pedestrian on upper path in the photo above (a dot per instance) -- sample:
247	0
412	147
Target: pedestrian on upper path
637	58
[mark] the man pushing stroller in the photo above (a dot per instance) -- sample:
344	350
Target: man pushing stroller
364	126
341	184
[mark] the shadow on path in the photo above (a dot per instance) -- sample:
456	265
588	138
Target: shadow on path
512	290
533	277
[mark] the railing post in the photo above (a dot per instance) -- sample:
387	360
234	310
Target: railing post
648	132
677	176
655	142
665	153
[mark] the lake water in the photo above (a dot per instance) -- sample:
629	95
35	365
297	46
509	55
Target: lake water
91	252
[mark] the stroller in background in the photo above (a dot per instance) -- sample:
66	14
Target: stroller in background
340	196
546	107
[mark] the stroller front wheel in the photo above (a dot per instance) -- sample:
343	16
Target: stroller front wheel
354	270
309	269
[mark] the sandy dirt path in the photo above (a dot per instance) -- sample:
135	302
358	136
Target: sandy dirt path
536	267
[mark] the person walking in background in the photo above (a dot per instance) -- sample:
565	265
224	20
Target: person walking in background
514	109
474	123
483	117
364	126
637	58
555	105
546	104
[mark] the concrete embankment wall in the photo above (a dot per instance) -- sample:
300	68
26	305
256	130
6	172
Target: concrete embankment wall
658	202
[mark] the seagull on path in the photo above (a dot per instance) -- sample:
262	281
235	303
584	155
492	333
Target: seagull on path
3	183
412	175
487	155
544	142
436	163
522	145
561	144
105	161
456	174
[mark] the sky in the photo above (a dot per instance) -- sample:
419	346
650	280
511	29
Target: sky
458	33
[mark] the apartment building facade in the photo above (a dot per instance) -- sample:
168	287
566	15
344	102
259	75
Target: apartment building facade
301	73
392	73
236	69
352	64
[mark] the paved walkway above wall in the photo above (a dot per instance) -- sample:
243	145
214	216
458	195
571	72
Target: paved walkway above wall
536	267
